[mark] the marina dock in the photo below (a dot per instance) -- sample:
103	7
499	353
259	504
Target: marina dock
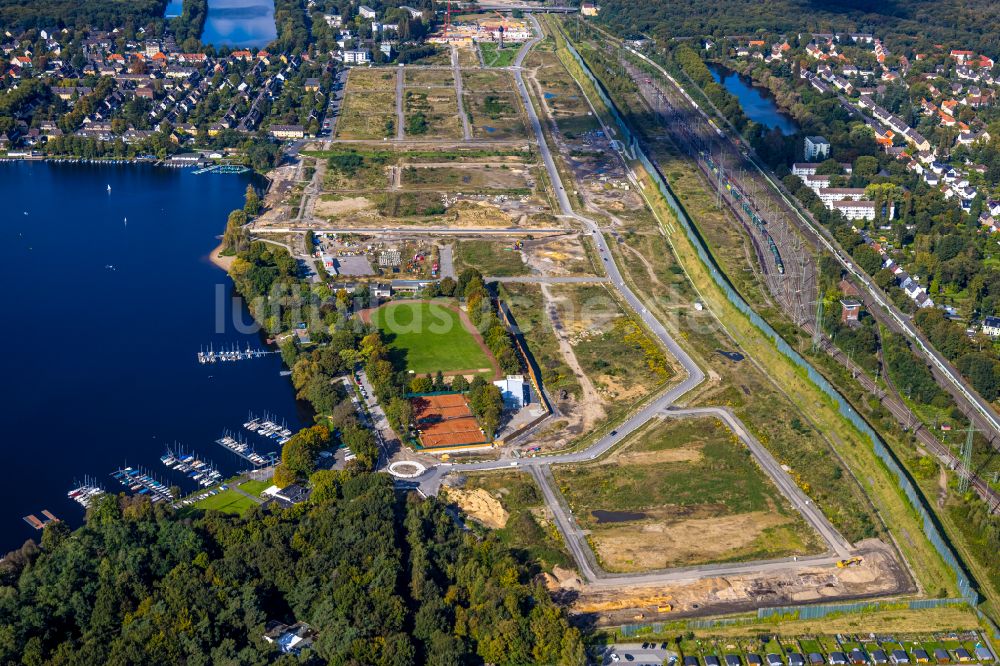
246	451
223	168
86	493
141	483
38	523
232	354
268	427
200	471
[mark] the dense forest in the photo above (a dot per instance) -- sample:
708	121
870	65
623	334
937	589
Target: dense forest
189	25
99	14
911	24
382	579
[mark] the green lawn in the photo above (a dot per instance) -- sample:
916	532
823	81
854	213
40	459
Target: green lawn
228	501
255	488
494	57
429	337
722	475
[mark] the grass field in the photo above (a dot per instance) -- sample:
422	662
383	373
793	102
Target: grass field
493	105
617	354
429	337
436	78
228	501
253	487
469	178
369	108
432	113
367	115
682	492
528	307
493	56
492	258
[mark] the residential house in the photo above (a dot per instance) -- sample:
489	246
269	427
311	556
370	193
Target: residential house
991	327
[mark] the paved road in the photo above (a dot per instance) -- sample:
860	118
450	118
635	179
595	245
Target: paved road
872	291
457	71
437	231
539	279
378	421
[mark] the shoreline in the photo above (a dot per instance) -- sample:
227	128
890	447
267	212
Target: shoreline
214	258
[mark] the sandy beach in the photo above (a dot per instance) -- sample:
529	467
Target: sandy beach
222	262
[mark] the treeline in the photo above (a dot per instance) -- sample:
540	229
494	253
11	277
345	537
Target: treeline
981	529
912	26
949	337
85	147
911	376
689	62
191	23
97	14
292	23
382	581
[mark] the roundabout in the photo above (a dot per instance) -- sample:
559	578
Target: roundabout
406	469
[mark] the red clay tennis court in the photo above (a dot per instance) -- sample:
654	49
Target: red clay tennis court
446	420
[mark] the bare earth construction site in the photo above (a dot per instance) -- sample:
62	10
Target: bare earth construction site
671	474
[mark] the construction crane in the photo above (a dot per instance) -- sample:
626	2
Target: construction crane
447	21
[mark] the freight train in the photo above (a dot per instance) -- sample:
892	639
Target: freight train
744	202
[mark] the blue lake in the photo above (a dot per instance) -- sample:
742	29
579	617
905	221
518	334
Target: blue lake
102	324
243	23
758	103
174	8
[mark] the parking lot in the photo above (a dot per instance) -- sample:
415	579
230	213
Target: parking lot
841	650
638	654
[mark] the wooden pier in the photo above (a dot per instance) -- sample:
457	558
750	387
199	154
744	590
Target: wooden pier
38	523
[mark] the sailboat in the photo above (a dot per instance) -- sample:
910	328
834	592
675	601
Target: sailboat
126	221
109	189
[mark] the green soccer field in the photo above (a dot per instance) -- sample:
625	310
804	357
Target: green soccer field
429	337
